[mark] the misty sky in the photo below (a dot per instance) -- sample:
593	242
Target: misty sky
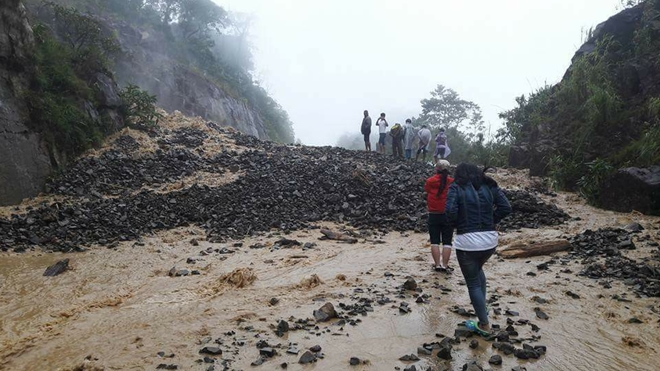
325	61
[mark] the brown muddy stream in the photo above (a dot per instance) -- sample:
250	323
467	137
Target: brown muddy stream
119	308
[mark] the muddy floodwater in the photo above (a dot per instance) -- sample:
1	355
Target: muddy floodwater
116	309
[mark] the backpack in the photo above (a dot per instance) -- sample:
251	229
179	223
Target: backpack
396	131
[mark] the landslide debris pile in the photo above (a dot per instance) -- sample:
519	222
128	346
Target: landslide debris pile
530	212
282	187
601	255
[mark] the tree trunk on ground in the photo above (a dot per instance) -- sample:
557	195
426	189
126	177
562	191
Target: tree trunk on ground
525	250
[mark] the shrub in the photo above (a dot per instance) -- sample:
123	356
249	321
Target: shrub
139	108
590	183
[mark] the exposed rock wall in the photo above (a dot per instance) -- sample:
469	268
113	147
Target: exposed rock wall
24	160
146	63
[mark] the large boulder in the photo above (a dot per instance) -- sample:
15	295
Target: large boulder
632	189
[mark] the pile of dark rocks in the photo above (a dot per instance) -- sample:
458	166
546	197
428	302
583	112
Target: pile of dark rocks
281	187
600	252
529	211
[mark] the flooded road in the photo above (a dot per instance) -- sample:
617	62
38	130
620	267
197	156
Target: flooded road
116	309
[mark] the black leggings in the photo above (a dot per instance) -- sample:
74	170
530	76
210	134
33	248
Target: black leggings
440	231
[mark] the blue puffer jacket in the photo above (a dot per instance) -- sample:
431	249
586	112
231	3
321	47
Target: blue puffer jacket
476	211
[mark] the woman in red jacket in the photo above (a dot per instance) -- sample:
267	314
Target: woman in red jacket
440	230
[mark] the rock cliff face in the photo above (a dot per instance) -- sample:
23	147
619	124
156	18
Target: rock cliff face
177	87
24	160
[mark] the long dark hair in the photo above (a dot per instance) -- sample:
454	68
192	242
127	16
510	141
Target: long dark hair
470	173
444	173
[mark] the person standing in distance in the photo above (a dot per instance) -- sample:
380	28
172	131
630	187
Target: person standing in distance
440	230
475	204
366	131
424	137
441	146
382	132
408	138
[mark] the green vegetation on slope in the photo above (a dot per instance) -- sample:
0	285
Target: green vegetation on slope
63	97
204	37
604	114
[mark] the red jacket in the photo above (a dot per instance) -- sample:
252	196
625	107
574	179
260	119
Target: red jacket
435	203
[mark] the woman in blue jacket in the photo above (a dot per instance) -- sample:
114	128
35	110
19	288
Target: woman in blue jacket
475	204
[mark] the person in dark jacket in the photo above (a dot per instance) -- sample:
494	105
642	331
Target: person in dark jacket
365	129
475	204
440	230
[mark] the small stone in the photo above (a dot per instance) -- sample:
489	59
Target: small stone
409	358
635	320
354	361
57	268
267	352
216	351
273	301
474	344
325	313
307	357
495	360
282	327
541	314
315	348
410	284
258	362
423	351
164	366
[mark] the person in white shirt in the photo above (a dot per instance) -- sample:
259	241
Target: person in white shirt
382	132
424	137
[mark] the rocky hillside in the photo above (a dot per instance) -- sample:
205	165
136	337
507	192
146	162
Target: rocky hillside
62	66
598	130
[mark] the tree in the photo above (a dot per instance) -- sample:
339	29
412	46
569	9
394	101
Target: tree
446	109
198	17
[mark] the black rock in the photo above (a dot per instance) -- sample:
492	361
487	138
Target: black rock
274	301
268	352
282	327
635	320
315	348
409	358
164	366
216	351
325	313
307	357
410	284
57	268
474	344
495	360
541	314
354	361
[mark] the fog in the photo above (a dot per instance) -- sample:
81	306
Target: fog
326	61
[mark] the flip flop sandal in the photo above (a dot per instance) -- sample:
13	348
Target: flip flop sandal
440	268
474	327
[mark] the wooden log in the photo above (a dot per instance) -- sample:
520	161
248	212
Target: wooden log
526	250
331	235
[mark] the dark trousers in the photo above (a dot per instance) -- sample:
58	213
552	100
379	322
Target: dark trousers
471	263
397	149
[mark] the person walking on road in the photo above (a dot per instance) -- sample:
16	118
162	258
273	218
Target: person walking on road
440	230
408	138
424	137
397	140
382	132
366	131
475	205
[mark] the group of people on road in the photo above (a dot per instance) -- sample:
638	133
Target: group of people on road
404	138
471	203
